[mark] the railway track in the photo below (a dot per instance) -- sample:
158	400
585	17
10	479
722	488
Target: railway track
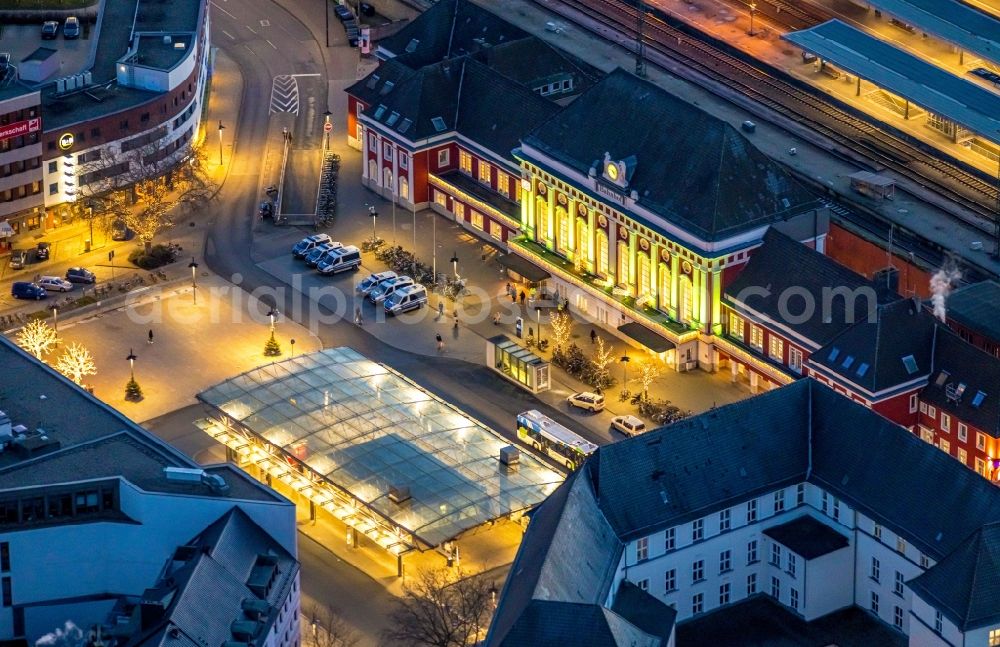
785	98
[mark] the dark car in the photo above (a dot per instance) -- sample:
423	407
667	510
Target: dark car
120	231
367	9
26	290
343	13
71	29
80	275
42	251
266	209
50	29
18	258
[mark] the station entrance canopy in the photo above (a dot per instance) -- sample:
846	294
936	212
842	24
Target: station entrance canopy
932	88
372	448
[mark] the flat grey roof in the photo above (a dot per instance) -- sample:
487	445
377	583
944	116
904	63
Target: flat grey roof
367	430
956	22
40	54
901	73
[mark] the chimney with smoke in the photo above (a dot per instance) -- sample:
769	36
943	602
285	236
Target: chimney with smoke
941	284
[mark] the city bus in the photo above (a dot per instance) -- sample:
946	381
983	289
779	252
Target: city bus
549	437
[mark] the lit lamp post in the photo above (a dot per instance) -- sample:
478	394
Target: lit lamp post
55	319
132	390
272	348
538	322
625	359
753	10
194	283
454	264
221	128
374	215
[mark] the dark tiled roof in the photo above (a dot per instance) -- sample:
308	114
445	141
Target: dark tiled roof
901	329
975	307
449	29
783	267
965	585
960	365
807	537
532	62
546	623
644	611
692	169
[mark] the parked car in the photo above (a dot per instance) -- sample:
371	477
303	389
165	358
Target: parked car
341	260
587	401
18	259
748	126
120	231
71	28
306	245
369	282
343	12
80	275
385	288
42	251
405	299
366	9
50	29
27	290
266	209
55	284
628	425
317	253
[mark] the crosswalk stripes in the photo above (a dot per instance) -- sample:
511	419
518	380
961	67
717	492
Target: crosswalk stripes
285	94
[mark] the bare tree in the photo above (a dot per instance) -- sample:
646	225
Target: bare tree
648	372
562	328
37	338
441	609
324	627
76	363
603	358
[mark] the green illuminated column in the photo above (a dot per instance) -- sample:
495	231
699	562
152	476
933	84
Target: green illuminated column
717	301
571	248
550	217
697	296
527	206
632	263
613	252
675	277
591	241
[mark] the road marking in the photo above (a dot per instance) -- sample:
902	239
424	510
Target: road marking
251	29
219	7
271	44
265	23
231	37
249	49
302	75
284	93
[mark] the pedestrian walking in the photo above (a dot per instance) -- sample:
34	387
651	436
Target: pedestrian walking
456	320
440	310
593	336
522	297
496	319
440	342
358	320
513	295
510	288
150	336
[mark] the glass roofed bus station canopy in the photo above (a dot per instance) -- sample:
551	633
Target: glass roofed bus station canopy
372	448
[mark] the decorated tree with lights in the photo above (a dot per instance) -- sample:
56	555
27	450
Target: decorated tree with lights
562	327
648	372
604	356
76	363
271	347
37	337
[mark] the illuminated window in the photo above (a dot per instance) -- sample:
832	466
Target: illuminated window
981	466
944	446
622	264
440	198
994	637
980	441
477	220
465	162
562	222
503	183
602	254
757	337
776	347
664	292
484	172
459	210
643	278
963	456
900	545
496	231
404	187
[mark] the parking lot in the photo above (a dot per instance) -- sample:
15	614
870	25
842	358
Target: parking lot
20	41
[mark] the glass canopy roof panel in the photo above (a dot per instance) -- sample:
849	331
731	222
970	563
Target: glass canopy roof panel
367	429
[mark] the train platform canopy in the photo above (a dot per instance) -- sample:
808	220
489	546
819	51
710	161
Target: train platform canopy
950	20
373	448
890	68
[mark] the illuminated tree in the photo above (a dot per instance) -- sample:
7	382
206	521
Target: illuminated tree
37	338
562	327
324	627
441	609
648	372
604	357
75	363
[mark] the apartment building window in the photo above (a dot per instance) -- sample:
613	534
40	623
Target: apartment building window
875	571
643	584
670	580
981	466
897	586
54	188
372	143
779	501
874	603
404	161
387	151
698	530
795	359
897	618
800	494
642	549
963	432
751	552
725	517
944	446
444	157
477	220
836	509
465	162
757	337
670	539
496	231
698	571
925	561
900	545
725	561
938	622
923	407
776	554
775	588
724	593
825	503
4	557
53	167
503	183
980	441
945	422
963	456
736	326
697	603
752	511
913	403
7	594
794	599
791	564
994	637
931	411
751	584
878	532
776	347
484	172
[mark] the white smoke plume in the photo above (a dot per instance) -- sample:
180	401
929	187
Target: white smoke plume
69	635
941	284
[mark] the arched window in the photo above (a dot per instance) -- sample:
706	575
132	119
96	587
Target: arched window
404	188
685	299
664	289
642	281
562	224
622	264
602	253
387	178
373	171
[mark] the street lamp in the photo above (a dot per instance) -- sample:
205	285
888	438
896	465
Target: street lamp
625	359
454	264
55	319
221	128
131	363
753	10
271	347
194	284
272	313
538	322
374	215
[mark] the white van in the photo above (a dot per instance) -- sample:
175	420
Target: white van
385	288
341	260
405	299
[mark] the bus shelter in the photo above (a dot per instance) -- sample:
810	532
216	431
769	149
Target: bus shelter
518	364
